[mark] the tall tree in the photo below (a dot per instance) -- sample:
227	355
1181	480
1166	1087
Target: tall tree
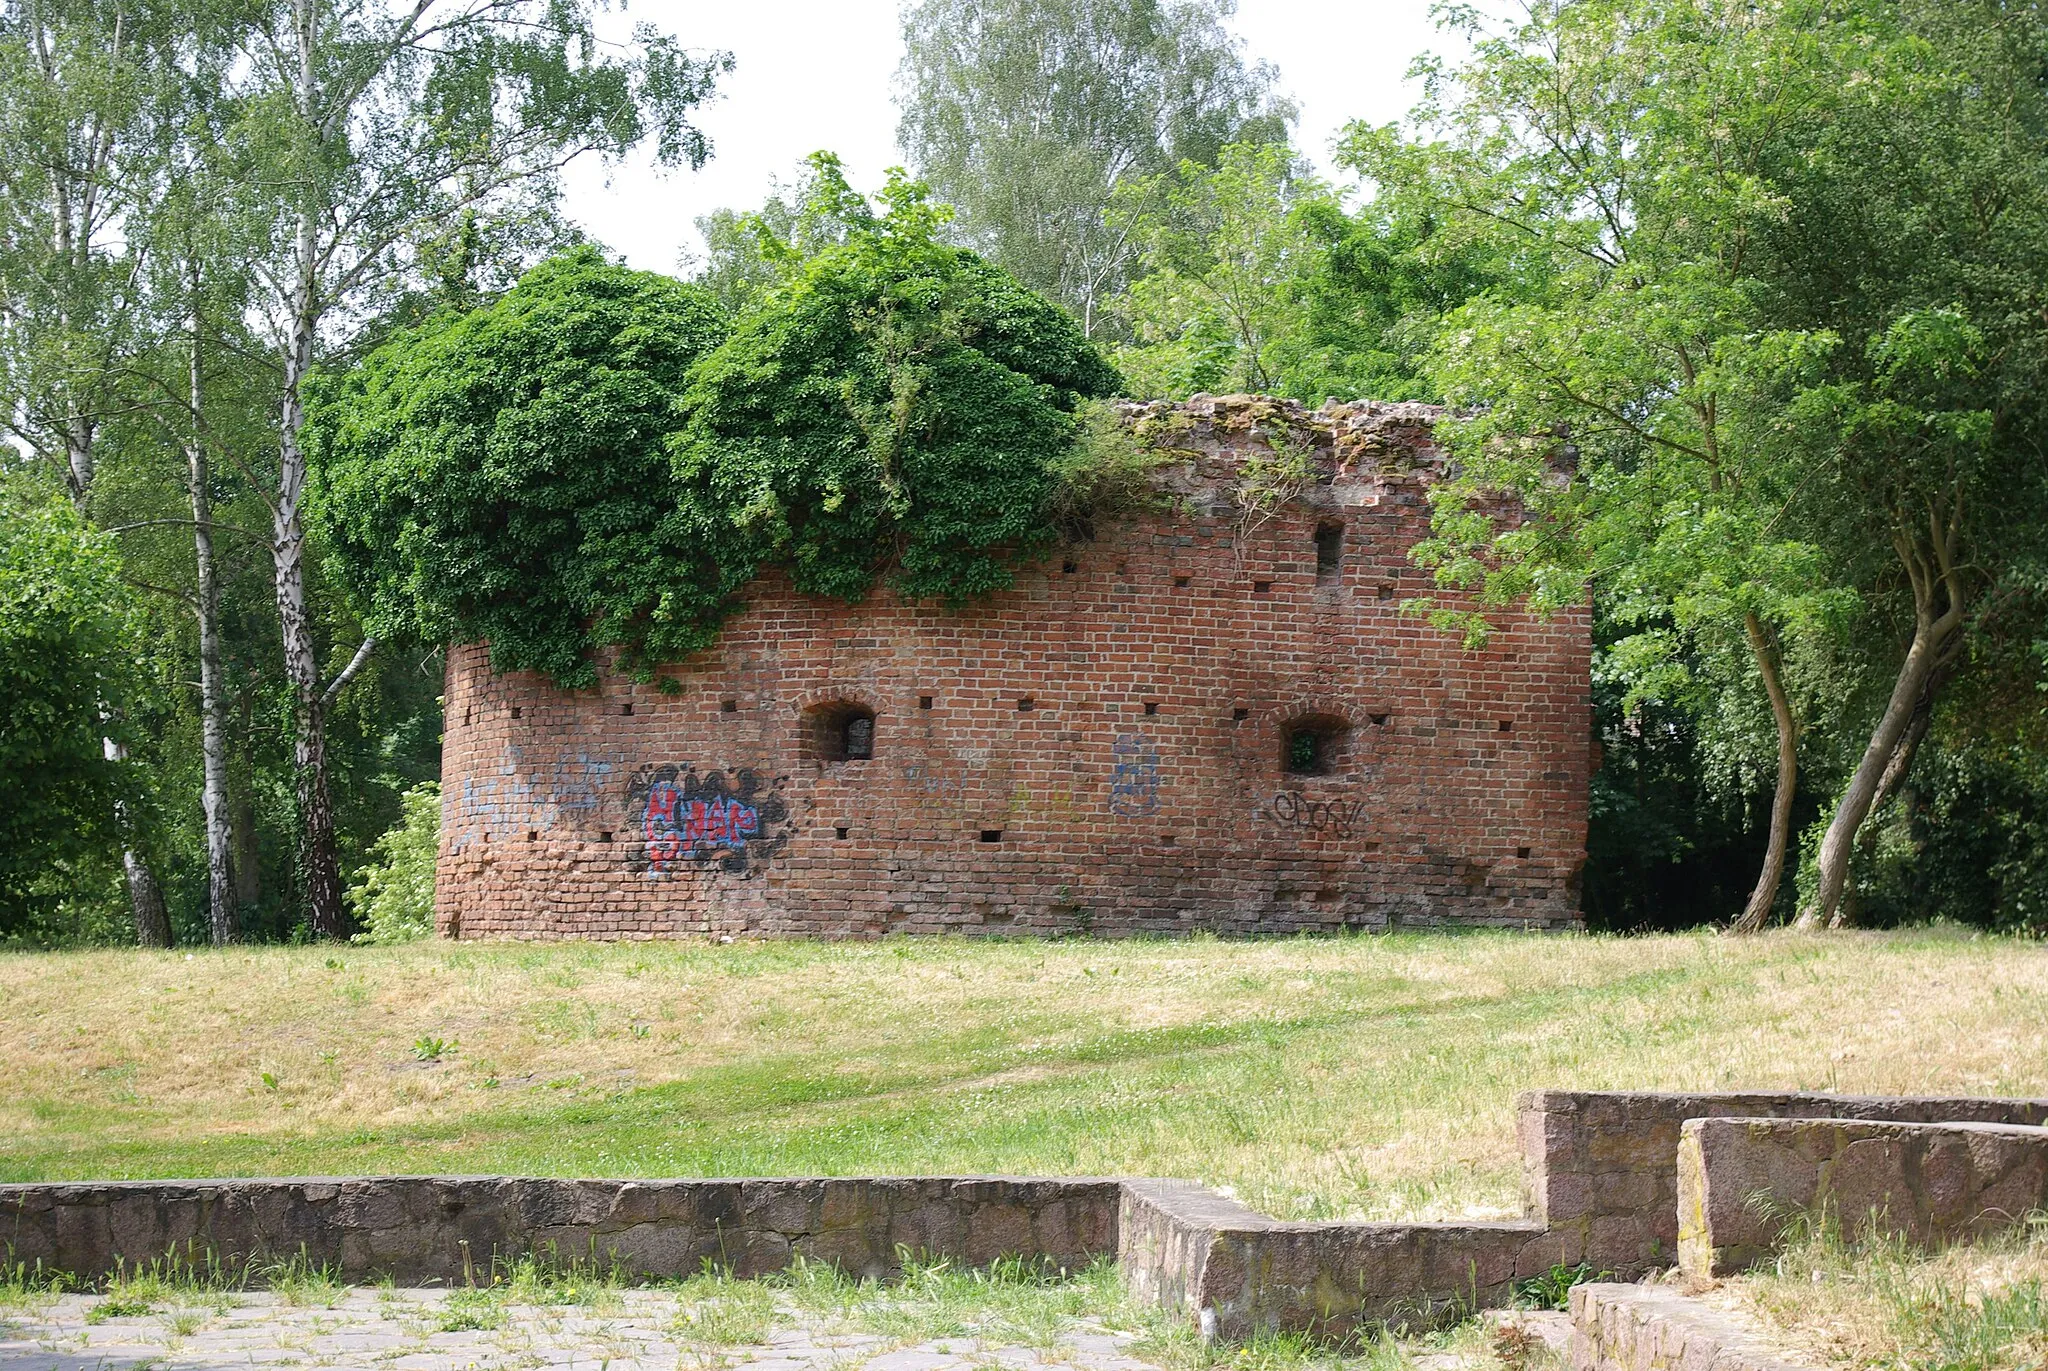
1917	232
82	107
1026	115
363	132
1632	344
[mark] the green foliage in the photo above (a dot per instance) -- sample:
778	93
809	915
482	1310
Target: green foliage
747	254
66	659
1252	275
1028	114
1552	1289
1108	470
1223	254
577	466
393	898
1968	843
894	412
500	475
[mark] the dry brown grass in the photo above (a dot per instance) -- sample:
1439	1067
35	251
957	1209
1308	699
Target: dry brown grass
1362	1076
1883	1305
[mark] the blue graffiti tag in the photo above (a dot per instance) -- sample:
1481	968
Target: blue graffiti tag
1134	777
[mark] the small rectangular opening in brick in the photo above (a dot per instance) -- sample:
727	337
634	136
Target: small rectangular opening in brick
1151	706
626	708
1329	551
1506	725
1026	705
1262	587
604	835
991	835
839	831
1180	583
517	711
728	706
1386	592
1069	568
1240	715
1166	840
1523	853
924	702
533	835
1379	718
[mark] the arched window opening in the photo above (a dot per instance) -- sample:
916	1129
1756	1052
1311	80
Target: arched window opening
842	731
1313	745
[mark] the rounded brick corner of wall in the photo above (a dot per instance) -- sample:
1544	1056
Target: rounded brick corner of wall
1198	719
1622	1185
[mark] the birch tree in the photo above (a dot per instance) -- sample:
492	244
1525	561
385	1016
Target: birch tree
84	99
1026	115
361	131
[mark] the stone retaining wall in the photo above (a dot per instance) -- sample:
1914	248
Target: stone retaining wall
424	1228
1739	1180
1182	1246
1603	1186
1654	1328
1602	1166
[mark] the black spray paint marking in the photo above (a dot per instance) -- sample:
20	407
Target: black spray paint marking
1333	816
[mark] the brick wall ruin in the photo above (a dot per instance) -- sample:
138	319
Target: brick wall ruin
1196	718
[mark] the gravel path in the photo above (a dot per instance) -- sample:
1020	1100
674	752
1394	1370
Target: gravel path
404	1330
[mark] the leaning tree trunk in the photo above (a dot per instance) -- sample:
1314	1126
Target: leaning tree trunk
1901	763
1938	602
221	919
1765	896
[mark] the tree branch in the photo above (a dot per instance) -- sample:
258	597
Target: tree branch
348	673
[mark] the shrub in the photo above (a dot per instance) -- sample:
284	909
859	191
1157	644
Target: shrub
501	476
393	899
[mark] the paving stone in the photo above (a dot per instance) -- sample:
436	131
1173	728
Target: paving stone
396	1331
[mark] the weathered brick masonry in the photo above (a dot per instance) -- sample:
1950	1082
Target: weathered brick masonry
1104	747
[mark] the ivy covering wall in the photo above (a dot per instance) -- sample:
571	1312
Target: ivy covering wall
606	457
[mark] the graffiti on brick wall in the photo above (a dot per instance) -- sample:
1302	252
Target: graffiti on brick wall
729	821
1322	816
560	793
1133	776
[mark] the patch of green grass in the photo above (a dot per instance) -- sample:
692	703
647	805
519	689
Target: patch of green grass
471	1309
301	1282
1324	1077
28	1286
715	1310
545	1278
186	1281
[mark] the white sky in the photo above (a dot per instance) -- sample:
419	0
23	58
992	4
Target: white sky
816	74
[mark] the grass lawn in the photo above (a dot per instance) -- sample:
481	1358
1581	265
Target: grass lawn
1365	1076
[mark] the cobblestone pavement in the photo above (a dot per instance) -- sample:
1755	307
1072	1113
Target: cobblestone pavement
403	1330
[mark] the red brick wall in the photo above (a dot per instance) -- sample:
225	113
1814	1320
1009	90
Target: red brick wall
1142	790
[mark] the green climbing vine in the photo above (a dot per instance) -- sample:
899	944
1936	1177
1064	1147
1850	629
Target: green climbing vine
603	458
